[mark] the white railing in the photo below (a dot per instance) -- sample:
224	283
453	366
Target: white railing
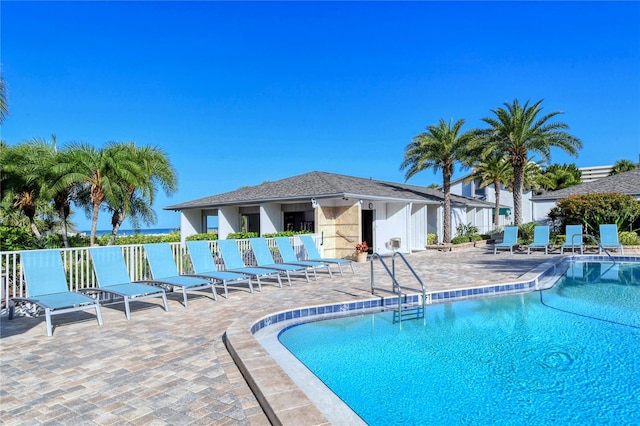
80	272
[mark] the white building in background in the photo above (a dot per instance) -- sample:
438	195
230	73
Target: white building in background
589	174
536	208
472	189
627	183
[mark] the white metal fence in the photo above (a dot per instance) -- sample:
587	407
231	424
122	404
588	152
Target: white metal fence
77	264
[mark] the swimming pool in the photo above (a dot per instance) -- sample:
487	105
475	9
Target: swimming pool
566	355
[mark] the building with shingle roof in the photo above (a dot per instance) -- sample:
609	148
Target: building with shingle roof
536	207
627	183
343	209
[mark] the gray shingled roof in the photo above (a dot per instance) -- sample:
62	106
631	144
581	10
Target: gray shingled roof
627	183
324	185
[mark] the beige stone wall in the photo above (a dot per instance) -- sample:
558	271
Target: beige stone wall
341	228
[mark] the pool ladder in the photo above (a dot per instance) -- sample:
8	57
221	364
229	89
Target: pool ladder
405	309
592	238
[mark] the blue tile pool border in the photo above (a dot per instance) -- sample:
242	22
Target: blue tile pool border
436	297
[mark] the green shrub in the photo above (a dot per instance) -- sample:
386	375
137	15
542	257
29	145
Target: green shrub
591	210
466	233
466	230
286	234
525	232
432	239
17	238
557	239
628	238
173	237
203	237
460	239
242	235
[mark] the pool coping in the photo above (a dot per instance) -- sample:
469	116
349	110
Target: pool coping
281	398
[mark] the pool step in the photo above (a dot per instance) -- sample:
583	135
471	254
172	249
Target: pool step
408	313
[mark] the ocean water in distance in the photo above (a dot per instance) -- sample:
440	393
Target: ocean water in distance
149	231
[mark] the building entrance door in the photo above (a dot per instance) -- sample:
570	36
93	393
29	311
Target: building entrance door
367	228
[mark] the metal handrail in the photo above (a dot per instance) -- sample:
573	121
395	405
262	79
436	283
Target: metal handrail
593	238
393	269
395	284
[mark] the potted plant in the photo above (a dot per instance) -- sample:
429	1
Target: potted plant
362	250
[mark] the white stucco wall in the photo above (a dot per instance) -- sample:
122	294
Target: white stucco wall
506	200
419	227
458	216
270	218
433	220
541	210
190	223
228	221
392	221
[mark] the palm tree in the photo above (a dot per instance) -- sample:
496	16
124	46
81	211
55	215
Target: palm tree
560	176
622	166
492	169
137	195
517	130
64	182
440	148
532	176
25	168
100	172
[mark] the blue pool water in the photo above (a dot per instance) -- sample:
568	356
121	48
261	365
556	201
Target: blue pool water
567	355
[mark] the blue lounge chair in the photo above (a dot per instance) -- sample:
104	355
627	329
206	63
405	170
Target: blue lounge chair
609	238
313	254
204	266
289	257
509	240
233	262
263	256
540	239
46	285
165	272
113	278
574	238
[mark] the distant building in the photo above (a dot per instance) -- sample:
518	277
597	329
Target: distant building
627	183
535	208
589	174
472	189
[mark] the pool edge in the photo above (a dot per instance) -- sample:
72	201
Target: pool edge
280	397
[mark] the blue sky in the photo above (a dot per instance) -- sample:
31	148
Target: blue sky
238	93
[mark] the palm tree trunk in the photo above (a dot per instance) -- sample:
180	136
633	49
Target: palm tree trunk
63	224
94	223
496	214
518	184
446	186
116	222
34	228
